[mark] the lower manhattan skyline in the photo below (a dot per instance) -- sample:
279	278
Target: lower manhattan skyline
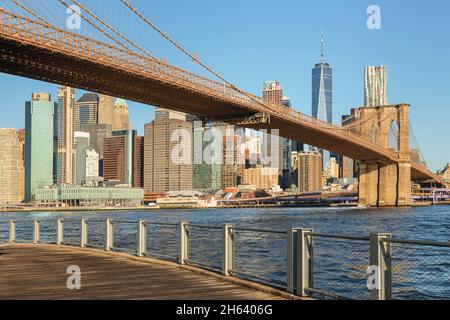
418	64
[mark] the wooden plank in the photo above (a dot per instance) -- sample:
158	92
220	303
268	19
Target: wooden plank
38	272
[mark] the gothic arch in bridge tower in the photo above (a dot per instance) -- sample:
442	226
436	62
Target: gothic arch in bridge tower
382	182
394	136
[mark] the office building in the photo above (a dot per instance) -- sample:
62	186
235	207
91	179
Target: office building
252	149
309	171
375	86
207	174
11	166
98	133
92	164
332	168
233	162
64	135
86	111
260	177
105	110
39	143
89	196
273	92
82	145
123	158
285	155
162	172
322	89
121	117
322	94
347	168
161	113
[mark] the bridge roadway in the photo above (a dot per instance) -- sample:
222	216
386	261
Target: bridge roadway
38	272
38	51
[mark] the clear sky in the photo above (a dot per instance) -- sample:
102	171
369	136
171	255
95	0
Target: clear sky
255	40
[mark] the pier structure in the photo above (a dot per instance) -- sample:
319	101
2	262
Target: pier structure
124	259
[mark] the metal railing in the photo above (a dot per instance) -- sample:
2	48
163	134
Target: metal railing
420	269
299	260
339	265
268	248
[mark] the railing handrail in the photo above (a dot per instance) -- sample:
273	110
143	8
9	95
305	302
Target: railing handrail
203	226
337	236
258	230
420	242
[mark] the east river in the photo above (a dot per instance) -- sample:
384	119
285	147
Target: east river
418	272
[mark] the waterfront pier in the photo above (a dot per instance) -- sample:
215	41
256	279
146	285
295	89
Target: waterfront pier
39	272
124	259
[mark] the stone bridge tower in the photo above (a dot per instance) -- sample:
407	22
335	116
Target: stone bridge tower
381	183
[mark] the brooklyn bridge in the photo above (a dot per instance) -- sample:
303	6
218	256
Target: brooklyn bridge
35	43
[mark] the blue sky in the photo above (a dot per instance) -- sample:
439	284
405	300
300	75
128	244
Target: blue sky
252	41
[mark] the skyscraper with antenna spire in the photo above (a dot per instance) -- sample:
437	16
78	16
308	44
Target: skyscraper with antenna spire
322	88
322	91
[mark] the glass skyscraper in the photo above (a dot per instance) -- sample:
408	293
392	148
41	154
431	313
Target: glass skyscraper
39	143
322	90
322	93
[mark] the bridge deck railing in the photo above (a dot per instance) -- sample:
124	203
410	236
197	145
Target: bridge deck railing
298	260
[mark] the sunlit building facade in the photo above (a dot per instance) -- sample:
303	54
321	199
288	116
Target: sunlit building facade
11	166
375	86
39	143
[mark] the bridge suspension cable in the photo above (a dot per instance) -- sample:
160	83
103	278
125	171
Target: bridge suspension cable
63	2
415	143
30	12
129	41
193	57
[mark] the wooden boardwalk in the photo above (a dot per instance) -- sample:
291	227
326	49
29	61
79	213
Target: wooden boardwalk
39	272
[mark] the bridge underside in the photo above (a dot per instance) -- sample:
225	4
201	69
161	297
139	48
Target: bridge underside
42	62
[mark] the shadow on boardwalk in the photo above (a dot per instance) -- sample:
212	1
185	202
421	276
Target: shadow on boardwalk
39	272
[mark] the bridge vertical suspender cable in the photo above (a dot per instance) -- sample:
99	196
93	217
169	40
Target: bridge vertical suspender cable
30	12
63	2
194	58
113	29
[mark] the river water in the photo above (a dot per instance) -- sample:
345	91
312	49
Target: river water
418	272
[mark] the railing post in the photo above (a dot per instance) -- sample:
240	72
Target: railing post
305	256
292	259
184	242
36	231
109	234
59	232
228	249
12	231
380	257
142	238
84	233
